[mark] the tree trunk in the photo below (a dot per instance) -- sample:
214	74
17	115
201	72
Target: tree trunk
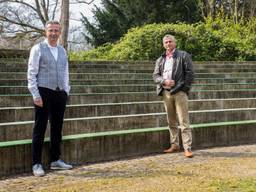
236	12
64	21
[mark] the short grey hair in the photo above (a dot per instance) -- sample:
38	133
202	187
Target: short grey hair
169	36
52	22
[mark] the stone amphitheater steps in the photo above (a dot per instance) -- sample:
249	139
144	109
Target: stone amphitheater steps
131	88
127	75
23	129
13	54
237	80
14	114
74	82
22	64
133	69
114	112
225	80
85	98
102	146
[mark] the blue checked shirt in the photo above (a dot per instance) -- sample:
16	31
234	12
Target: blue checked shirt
47	67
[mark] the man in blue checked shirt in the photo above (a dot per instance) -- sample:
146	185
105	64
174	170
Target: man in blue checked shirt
48	82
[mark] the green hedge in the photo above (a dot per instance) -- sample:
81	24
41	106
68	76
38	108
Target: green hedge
213	40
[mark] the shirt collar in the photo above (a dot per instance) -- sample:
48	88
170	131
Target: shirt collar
169	55
46	41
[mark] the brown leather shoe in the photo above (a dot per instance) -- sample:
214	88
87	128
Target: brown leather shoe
188	154
172	149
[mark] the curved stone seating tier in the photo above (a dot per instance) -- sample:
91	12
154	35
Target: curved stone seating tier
23	129
110	145
22	63
237	80
131	88
113	111
110	76
83	98
74	82
225	80
13	54
132	69
14	114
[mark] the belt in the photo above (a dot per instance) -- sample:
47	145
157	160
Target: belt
58	89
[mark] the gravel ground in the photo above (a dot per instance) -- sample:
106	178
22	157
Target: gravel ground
214	169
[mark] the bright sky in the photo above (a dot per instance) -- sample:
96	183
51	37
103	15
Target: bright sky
76	9
75	15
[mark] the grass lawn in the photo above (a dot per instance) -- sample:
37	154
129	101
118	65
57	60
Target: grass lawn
226	169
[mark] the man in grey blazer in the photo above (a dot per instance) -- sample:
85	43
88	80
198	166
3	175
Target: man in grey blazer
48	82
174	75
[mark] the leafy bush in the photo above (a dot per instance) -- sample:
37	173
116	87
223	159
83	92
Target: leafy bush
100	53
212	40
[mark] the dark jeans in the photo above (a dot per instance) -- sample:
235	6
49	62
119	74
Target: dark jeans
54	104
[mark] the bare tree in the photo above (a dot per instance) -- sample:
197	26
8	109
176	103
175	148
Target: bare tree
207	7
235	9
249	8
28	19
64	19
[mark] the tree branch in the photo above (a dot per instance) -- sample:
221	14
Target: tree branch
19	2
81	1
39	12
44	8
3	18
54	9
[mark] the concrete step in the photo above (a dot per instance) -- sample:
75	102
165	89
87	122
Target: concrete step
223	86
20	64
106	121
86	76
225	70
23	129
10	53
225	80
225	75
26	99
102	146
238	80
224	66
210	63
110	76
133	69
235	80
107	70
24	65
24	82
130	88
86	89
15	100
14	114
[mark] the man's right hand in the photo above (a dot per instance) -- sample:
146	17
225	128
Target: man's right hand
169	83
38	102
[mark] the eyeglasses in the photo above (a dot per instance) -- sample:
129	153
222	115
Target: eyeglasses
168	41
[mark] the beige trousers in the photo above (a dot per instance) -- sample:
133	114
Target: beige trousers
176	107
